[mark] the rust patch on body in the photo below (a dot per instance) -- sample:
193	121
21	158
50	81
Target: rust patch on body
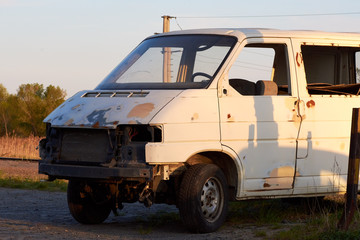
229	117
75	107
141	110
342	146
299	59
195	117
310	104
69	122
96	125
285	171
280	178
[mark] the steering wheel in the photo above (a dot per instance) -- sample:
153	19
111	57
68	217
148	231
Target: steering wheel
200	74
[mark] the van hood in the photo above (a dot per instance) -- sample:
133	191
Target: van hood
107	109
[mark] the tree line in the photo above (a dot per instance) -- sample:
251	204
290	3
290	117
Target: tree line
22	114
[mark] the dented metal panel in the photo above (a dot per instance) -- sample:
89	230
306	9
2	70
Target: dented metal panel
90	109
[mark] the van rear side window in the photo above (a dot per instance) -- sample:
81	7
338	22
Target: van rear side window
331	70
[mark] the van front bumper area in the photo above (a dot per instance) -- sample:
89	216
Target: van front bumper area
94	172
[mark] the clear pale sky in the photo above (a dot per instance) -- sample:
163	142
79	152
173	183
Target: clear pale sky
75	44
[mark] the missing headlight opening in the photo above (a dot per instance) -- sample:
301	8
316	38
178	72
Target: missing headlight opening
124	145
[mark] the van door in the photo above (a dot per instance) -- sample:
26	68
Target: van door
328	90
259	118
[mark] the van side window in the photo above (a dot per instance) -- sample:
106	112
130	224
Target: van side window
331	70
261	69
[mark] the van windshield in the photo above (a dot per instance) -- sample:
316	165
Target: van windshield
174	62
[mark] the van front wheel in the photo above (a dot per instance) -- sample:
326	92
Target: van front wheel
89	202
203	198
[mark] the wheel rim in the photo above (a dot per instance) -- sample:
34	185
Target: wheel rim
211	199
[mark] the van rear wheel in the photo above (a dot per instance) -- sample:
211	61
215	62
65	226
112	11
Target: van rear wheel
203	198
89	202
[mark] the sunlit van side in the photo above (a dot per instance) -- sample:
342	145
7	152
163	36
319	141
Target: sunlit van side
199	118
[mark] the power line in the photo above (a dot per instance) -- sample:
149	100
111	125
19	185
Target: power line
177	23
275	16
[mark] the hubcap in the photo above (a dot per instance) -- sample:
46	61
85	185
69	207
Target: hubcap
211	199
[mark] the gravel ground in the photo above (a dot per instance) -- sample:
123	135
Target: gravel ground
30	214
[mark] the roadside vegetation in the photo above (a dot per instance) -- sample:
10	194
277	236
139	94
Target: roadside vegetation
307	218
19	147
32	184
21	128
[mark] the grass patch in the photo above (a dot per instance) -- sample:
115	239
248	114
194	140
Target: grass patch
322	226
25	183
264	212
260	234
308	218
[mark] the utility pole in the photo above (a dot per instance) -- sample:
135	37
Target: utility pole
166	23
167	52
353	172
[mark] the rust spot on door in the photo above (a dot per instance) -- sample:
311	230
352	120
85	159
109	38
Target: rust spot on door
141	110
285	171
280	178
229	117
195	116
310	104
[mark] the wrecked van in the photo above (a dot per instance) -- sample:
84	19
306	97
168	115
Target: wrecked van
198	118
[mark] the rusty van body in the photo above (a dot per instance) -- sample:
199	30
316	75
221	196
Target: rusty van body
197	118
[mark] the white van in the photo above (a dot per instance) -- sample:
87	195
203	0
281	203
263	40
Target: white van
197	118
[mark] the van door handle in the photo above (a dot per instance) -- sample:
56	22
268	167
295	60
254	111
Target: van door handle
299	106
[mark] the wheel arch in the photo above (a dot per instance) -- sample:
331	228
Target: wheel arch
225	162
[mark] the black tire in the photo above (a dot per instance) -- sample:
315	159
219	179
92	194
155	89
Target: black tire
88	202
203	198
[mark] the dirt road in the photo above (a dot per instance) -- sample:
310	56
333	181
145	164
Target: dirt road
29	214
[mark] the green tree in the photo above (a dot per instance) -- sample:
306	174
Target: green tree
53	97
23	113
13	115
30	107
34	104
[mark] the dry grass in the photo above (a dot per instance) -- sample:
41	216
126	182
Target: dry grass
17	147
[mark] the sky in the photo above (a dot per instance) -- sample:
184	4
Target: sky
74	44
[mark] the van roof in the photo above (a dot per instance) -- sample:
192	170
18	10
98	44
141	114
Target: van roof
262	32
